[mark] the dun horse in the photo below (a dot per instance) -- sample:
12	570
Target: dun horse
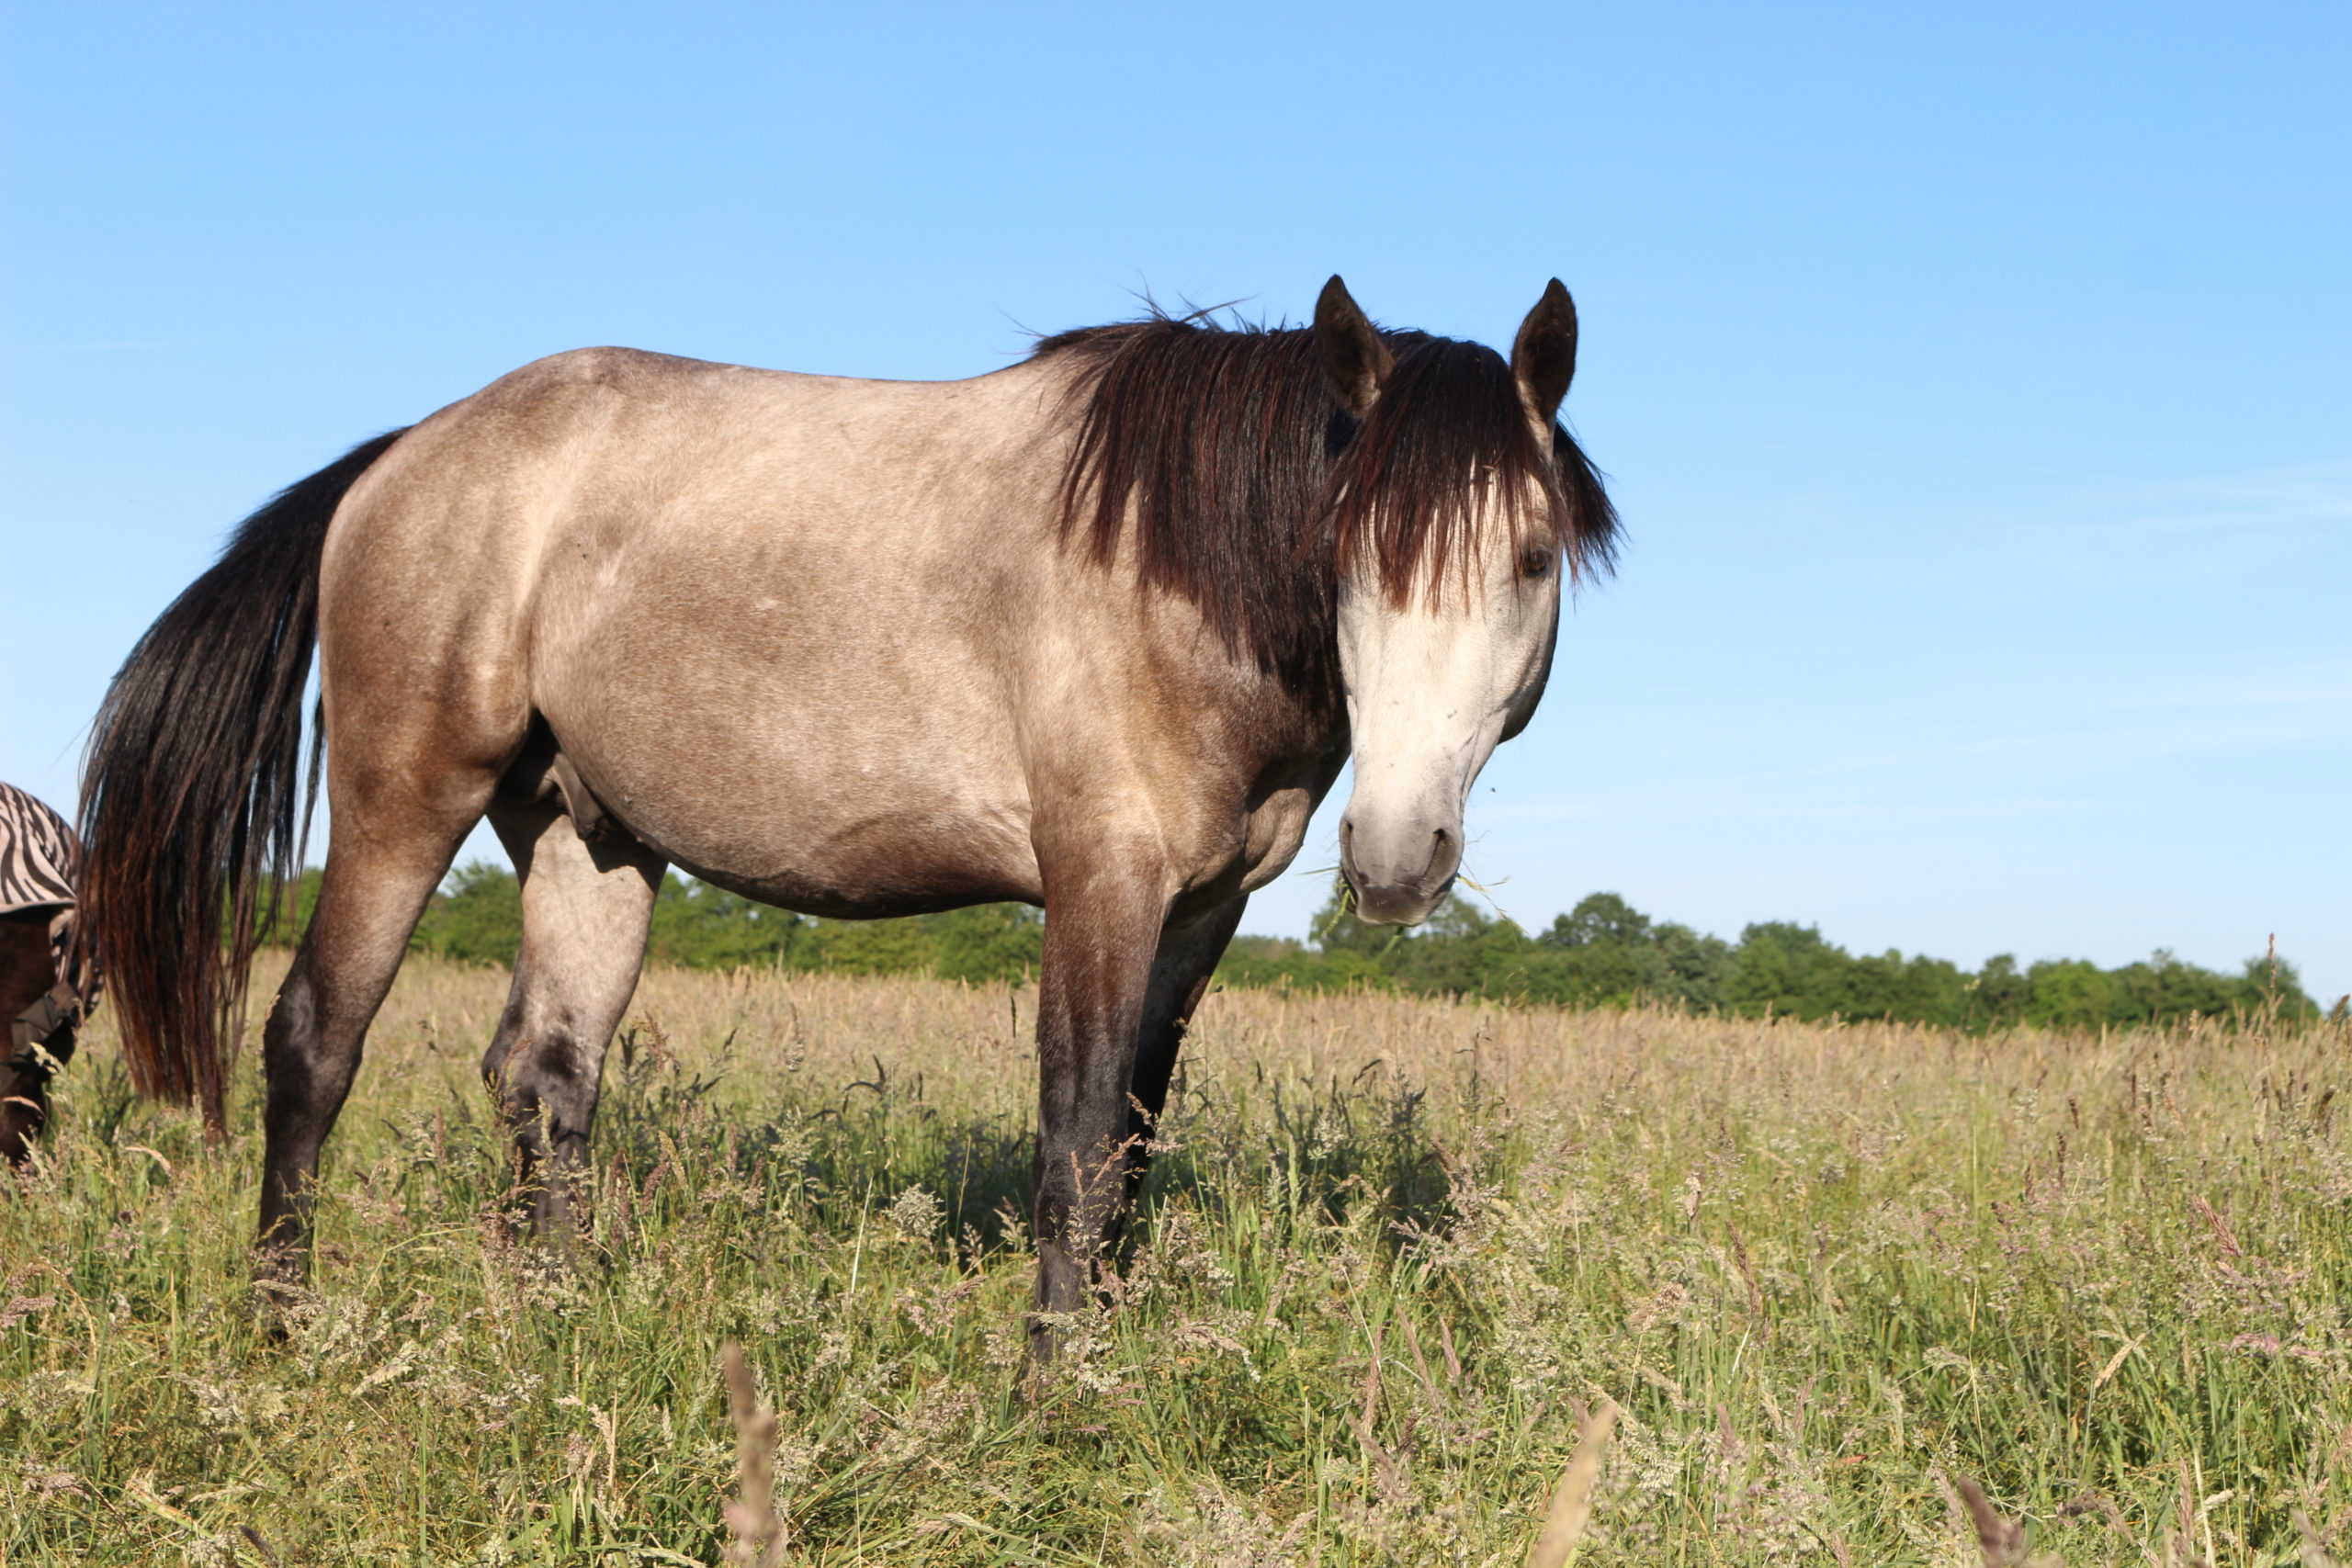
1096	632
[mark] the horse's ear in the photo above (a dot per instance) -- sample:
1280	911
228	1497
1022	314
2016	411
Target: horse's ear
1544	357
1353	355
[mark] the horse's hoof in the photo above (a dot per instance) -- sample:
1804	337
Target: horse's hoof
278	1288
274	1301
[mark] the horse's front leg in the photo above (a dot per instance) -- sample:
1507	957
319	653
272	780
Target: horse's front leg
1187	959
1102	930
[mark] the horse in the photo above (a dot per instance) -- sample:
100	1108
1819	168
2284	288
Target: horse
1096	631
48	983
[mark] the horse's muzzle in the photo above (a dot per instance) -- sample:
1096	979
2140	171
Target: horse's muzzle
1399	877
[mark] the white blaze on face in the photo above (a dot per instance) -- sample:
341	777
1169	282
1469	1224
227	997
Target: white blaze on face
1432	688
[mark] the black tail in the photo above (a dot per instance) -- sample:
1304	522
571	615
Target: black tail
189	797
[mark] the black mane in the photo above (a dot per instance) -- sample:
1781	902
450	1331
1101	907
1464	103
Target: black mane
1251	485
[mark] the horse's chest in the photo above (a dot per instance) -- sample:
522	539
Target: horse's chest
1274	833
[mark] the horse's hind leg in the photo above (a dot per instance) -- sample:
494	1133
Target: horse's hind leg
586	909
392	843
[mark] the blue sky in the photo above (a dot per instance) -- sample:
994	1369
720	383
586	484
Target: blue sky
1973	381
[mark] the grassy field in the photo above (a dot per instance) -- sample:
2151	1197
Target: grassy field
1395	1249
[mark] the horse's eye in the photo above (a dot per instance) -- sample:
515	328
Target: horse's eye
1536	560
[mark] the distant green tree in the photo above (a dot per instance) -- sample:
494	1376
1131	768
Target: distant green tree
869	947
988	941
1698	966
1918	989
696	925
1785	968
1602	952
1997	994
1599	918
2163	987
1597	974
477	918
1283	963
2069	993
1609	952
1462	951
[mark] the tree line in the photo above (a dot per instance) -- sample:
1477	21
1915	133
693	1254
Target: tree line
1603	952
1606	952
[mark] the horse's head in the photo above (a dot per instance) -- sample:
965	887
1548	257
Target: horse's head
1462	508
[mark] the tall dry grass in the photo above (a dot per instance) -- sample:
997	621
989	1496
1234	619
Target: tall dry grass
1397	1254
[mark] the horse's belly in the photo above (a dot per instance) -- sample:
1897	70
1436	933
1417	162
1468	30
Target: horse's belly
907	868
857	841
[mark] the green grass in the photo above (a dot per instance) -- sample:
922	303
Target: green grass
1396	1247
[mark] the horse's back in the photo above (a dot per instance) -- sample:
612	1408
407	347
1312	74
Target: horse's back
736	596
602	447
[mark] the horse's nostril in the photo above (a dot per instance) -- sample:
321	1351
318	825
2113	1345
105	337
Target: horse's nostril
1443	857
